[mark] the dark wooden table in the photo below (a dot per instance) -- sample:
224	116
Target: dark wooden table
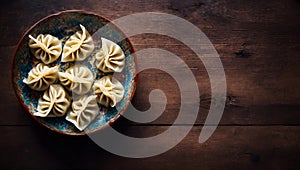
259	45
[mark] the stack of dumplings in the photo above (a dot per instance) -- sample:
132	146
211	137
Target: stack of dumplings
57	85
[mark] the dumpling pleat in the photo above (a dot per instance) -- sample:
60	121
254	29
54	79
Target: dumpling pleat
45	47
84	111
54	100
77	79
41	77
78	47
110	58
109	91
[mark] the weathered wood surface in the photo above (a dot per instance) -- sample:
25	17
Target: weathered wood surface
231	147
259	45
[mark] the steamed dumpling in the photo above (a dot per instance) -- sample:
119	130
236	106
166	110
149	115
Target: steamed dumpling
55	100
109	91
41	77
110	58
77	79
78	47
45	47
84	111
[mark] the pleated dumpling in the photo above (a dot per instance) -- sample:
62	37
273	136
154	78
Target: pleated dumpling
109	91
54	102
84	111
45	47
78	47
77	79
41	77
110	58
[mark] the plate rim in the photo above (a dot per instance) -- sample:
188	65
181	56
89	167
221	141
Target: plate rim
111	121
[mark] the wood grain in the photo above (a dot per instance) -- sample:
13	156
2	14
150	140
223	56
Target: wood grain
259	45
273	147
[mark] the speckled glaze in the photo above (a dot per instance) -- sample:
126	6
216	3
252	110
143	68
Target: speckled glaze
63	25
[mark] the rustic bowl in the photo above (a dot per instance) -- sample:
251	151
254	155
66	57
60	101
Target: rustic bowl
62	25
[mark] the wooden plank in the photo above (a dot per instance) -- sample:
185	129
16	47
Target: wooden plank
267	75
12	111
235	115
271	147
237	20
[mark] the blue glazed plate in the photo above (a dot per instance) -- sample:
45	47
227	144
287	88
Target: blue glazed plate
63	25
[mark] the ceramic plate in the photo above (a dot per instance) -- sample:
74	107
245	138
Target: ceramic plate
63	25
